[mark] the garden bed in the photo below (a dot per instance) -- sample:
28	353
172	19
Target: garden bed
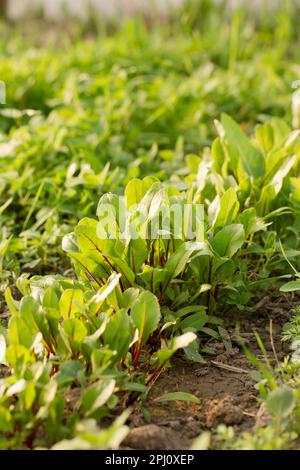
224	386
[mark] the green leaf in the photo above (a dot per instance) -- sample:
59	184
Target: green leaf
281	401
201	442
19	332
11	302
134	192
290	286
122	267
264	134
189	309
16	388
152	277
29	395
251	158
180	396
48	326
6	420
49	392
137	254
251	222
194	322
50	299
135	386
96	395
90	243
177	262
70	302
98	299
145	315
69	372
114	204
210	332
129	297
229	207
229	240
75	329
117	334
164	354
18	355
90	437
192	352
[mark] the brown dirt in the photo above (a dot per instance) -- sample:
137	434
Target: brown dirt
4	371
224	386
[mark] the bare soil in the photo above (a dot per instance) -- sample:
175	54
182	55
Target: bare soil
223	384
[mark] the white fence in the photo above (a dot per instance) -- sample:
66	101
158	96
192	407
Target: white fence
56	9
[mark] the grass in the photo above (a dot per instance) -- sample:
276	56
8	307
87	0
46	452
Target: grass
196	111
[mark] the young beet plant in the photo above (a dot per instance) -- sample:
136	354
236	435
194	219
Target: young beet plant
151	272
157	239
143	275
256	181
65	334
262	170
